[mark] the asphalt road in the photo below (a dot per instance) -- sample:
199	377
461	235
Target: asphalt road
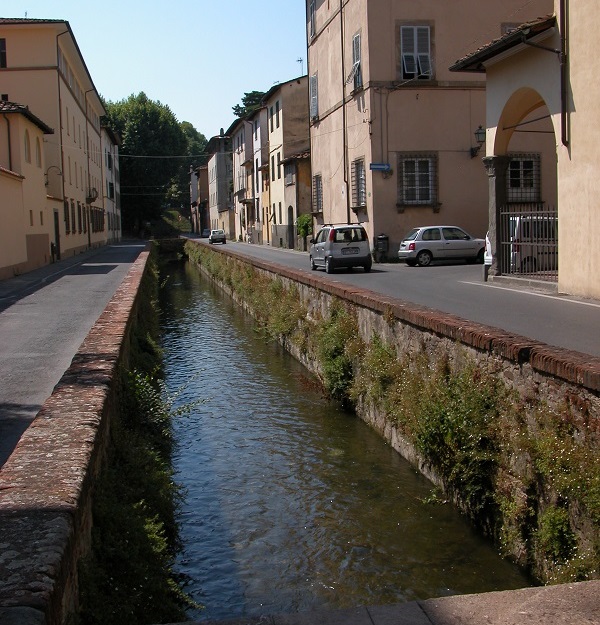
45	316
459	289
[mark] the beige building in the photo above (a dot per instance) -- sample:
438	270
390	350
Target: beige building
220	185
27	219
391	128
41	67
545	71
288	137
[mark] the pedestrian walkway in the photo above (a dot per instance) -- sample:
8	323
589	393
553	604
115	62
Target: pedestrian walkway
566	604
44	317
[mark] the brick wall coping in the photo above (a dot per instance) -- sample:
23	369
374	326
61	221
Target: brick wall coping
45	505
568	365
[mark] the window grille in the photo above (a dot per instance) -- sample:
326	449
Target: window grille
317	194
417	179
359	184
523	178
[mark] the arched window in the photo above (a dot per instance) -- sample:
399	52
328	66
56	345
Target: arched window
27	147
38	152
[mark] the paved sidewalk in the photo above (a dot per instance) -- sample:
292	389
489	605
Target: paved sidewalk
566	604
44	317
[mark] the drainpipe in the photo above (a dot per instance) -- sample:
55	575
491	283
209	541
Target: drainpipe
9	143
60	124
564	102
344	143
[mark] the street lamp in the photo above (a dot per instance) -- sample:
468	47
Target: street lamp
480	138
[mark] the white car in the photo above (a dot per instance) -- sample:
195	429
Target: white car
427	243
217	236
345	245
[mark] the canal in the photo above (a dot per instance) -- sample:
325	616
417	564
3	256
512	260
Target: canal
291	504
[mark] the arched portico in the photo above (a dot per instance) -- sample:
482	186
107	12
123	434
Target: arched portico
522	188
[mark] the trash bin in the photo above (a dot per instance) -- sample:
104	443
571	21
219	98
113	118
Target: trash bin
382	246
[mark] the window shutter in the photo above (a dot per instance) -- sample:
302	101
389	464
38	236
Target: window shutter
409	59
314	101
423	50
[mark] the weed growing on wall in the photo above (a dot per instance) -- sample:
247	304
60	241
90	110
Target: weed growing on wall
526	474
128	578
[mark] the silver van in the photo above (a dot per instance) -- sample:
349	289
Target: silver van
344	245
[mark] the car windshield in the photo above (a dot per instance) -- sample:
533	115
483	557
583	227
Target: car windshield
412	234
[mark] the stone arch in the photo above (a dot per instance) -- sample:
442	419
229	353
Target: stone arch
522	103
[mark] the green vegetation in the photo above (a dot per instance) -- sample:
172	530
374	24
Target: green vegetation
128	578
528	475
304	225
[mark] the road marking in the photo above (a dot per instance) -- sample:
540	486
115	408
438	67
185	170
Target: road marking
560	298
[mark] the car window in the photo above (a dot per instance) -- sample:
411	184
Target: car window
431	234
455	234
322	235
412	234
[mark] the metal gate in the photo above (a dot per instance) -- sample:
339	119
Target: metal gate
529	241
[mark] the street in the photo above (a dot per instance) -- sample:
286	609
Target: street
459	289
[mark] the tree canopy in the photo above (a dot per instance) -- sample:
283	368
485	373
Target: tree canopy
250	102
152	144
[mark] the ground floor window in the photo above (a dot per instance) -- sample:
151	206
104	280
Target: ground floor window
417	179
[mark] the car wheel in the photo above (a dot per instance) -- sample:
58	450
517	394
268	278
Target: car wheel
328	265
367	267
424	258
481	256
411	263
313	267
210	242
224	242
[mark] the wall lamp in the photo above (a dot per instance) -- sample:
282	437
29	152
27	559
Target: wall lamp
49	168
480	138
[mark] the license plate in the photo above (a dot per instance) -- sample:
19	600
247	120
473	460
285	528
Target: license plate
349	250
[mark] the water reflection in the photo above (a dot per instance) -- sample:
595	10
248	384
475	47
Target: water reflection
292	504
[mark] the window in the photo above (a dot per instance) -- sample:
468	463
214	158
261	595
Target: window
280	215
314	97
27	147
523	178
67	217
355	74
3	53
289	170
417	179
317	194
274	215
312	19
273	167
73	214
359	184
415	51
278	165
38	152
277	114
79	217
271	117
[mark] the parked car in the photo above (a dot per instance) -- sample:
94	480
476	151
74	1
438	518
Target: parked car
533	243
205	233
344	245
217	236
426	243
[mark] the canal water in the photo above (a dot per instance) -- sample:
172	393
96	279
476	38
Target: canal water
290	503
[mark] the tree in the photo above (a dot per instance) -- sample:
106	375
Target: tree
178	194
152	142
250	103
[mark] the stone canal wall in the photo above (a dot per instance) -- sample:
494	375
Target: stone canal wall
505	426
46	484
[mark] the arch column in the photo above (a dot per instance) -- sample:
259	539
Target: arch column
496	168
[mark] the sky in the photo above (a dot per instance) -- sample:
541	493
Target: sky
198	57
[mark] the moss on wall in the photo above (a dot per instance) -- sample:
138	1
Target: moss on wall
523	466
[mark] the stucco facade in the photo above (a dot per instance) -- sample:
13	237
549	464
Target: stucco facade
546	73
287	124
391	127
43	69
